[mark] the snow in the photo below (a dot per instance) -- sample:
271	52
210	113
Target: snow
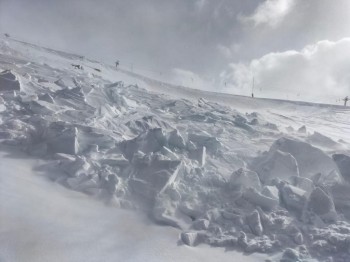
250	175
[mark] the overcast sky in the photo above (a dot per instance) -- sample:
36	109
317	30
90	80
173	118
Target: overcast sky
296	49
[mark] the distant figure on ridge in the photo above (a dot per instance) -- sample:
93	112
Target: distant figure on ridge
346	99
117	64
252	95
7	35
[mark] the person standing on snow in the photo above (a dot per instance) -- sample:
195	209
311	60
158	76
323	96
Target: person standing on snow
346	99
117	64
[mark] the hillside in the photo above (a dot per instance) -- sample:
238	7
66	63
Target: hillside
248	175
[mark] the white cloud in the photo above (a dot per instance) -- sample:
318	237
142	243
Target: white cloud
190	79
270	12
318	72
228	51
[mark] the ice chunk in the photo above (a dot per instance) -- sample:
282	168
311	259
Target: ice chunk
276	164
322	140
243	178
271	192
199	155
211	143
176	140
254	223
200	224
343	163
302	130
256	198
9	81
311	160
303	183
190	238
320	203
63	139
151	141
341	198
294	198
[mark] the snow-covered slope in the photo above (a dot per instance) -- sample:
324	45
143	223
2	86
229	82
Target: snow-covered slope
253	175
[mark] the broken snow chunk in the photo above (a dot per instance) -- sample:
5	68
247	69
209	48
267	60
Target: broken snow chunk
321	140
343	163
276	164
47	98
320	203
294	198
254	223
190	238
62	139
310	159
211	143
200	224
9	81
191	210
199	155
271	192
259	199
302	130
303	183
75	168
176	140
244	178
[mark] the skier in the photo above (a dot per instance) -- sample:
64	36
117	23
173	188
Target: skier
346	99
117	64
252	95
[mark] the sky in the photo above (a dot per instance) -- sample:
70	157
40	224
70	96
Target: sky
294	49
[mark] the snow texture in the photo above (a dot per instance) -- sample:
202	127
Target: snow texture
217	167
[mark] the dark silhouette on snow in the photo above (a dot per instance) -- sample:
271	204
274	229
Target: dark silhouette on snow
117	64
78	66
346	99
6	35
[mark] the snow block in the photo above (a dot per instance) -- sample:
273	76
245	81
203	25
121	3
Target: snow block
148	142
276	164
310	159
211	143
343	163
176	140
341	198
321	140
294	198
199	155
254	222
9	81
243	178
271	192
320	203
76	167
201	224
258	199
62	139
190	238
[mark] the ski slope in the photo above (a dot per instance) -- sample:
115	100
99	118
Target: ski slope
81	141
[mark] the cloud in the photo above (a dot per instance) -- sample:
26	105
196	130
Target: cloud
189	79
270	12
319	73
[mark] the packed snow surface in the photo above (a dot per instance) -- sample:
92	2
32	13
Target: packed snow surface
250	175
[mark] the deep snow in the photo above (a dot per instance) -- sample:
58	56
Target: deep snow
250	175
